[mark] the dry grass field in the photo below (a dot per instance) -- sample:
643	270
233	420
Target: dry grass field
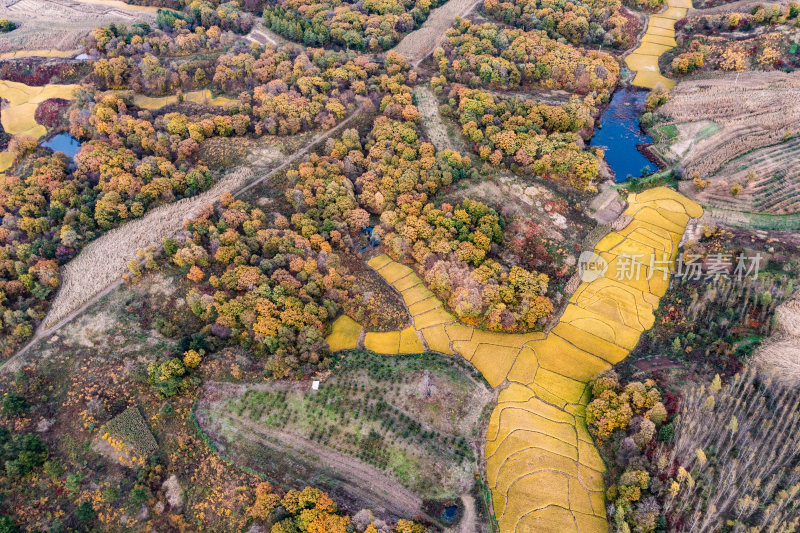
779	356
752	144
55	27
418	44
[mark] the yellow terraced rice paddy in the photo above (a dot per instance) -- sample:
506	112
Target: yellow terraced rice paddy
659	38
541	465
18	117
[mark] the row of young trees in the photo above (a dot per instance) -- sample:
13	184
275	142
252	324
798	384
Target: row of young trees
727	459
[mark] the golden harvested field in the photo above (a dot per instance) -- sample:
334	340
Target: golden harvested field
203	96
6	160
18	115
542	466
37	53
48	27
659	37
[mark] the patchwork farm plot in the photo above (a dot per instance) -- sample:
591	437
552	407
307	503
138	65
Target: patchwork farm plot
541	464
412	418
659	38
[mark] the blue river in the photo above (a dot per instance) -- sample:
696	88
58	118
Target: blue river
619	133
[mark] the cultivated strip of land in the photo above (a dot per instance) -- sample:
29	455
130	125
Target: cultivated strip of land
419	44
541	464
659	38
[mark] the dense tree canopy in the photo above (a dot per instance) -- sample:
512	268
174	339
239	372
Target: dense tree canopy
488	55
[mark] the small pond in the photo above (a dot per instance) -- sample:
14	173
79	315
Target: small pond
619	133
63	142
449	513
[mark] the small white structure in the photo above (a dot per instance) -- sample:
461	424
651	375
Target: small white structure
315	385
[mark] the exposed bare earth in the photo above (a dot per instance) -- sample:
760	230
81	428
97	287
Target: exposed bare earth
59	25
418	44
467	524
261	35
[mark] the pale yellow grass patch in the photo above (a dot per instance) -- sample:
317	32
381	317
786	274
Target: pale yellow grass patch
409	342
431	318
38	53
386	343
494	362
548	520
344	334
437	339
563	387
18	118
415	294
6	160
424	306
